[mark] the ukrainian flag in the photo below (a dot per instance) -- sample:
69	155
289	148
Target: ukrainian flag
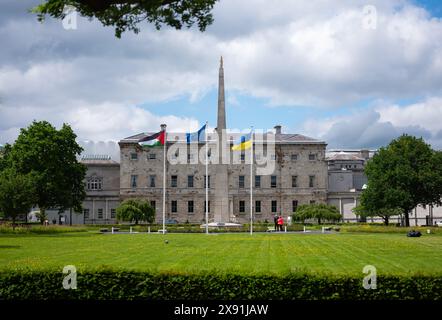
243	143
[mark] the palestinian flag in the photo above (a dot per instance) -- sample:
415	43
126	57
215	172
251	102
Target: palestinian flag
154	140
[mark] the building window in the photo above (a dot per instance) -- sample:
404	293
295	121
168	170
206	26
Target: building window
312	156
312	201
100	214
242	206
208	209
133	181
152	181
258	206
86	213
273	181
294	205
311	181
94	183
134	156
294	181
208	181
241	182
153	204
294	157
257	181
174	206
190	206
174	182
113	213
152	156
243	157
190	181
274	206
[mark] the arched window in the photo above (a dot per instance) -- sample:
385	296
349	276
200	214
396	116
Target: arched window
94	183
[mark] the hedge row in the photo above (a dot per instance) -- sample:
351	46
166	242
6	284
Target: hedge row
128	285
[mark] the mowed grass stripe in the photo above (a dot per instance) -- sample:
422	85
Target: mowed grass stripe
239	253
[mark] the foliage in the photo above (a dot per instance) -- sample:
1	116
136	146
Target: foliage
107	284
52	229
135	210
3	157
403	175
384	213
318	211
127	14
16	194
41	216
50	156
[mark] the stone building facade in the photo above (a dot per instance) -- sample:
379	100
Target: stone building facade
299	177
102	190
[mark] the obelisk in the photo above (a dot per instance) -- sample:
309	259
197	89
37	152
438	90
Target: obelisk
221	177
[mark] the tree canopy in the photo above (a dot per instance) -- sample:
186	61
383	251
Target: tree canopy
127	14
384	213
403	175
16	194
50	157
318	211
135	210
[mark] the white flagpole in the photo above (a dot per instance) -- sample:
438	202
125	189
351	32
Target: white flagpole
164	181
207	182
251	183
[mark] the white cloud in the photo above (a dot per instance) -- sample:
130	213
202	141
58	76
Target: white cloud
378	125
290	52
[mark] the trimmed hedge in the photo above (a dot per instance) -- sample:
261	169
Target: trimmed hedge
131	285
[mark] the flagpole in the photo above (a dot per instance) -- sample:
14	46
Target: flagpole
164	181
251	184
207	182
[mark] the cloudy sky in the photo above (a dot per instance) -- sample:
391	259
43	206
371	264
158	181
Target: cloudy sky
353	75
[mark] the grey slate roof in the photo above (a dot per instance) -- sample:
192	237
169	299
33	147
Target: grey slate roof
344	156
231	136
101	160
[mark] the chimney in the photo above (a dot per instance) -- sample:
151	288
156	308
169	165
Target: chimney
163	127
277	129
365	154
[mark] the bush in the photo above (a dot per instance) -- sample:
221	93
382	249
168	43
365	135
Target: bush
131	285
38	229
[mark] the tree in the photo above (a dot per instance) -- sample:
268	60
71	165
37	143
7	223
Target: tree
317	211
50	156
384	213
403	175
4	156
16	194
127	14
135	210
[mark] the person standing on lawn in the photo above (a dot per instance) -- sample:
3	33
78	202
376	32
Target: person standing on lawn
275	220
280	222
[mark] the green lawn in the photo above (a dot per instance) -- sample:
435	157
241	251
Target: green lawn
261	253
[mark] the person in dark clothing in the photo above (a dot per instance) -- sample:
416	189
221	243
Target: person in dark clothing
275	219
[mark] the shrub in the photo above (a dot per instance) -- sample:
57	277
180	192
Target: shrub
131	285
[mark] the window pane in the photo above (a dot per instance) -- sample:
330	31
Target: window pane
273	181
241	181
174	206
190	206
152	181
174	181
133	181
257	206
274	206
190	181
134	156
241	206
294	181
311	181
257	181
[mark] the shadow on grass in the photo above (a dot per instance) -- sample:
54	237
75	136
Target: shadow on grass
9	247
